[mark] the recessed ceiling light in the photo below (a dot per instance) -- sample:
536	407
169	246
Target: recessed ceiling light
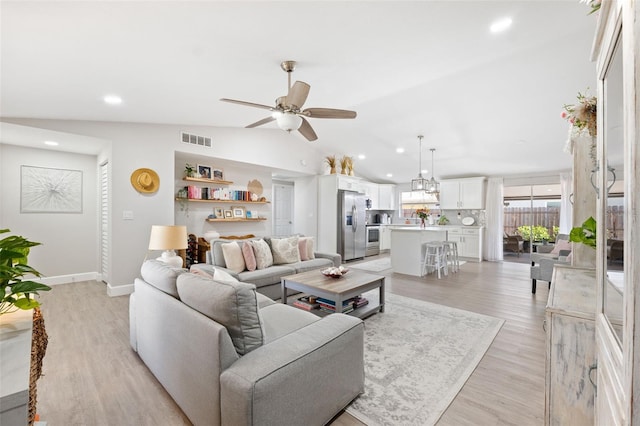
51	143
389	175
362	156
113	100
399	150
500	25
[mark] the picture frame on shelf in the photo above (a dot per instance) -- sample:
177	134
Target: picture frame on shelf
239	212
228	214
219	213
248	214
204	171
218	174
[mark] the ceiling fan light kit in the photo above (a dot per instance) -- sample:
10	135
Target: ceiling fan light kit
288	113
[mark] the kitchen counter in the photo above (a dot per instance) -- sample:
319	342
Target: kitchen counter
406	246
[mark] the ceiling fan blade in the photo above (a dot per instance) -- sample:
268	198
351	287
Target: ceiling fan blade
251	104
307	130
260	123
329	113
298	94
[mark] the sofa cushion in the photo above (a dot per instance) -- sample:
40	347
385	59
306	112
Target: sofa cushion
285	250
262	251
233	257
161	276
231	304
268	276
309	265
249	257
280	319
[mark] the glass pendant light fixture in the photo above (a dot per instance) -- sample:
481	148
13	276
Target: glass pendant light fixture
419	183
432	186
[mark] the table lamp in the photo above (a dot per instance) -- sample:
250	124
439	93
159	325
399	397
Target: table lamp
169	238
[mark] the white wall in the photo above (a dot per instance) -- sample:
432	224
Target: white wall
70	242
153	146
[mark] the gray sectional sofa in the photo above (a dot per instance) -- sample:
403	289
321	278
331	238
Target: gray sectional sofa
230	356
267	281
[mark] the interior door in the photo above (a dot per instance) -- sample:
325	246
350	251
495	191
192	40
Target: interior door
283	209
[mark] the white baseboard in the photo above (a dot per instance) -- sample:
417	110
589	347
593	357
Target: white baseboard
112	291
119	290
71	278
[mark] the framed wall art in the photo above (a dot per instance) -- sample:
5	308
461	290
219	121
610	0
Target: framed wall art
218	213
218	174
238	212
49	190
205	171
228	214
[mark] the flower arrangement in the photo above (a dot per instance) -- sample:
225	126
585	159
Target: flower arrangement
585	233
422	213
583	114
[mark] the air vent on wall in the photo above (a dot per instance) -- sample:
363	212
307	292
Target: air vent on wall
195	139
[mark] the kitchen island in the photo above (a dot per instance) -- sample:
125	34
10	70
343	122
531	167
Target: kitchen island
406	246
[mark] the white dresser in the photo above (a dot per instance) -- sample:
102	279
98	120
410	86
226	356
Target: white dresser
570	326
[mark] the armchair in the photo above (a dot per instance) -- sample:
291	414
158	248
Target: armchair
513	243
544	270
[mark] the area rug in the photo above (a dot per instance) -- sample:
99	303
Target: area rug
374	265
379	265
418	355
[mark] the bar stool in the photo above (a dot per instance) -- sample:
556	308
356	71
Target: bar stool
434	258
451	250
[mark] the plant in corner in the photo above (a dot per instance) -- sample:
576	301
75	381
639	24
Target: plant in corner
585	233
15	292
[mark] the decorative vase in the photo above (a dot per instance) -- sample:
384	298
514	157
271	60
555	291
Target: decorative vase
333	170
422	224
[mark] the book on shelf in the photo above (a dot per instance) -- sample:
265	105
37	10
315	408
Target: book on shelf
307	303
332	303
332	309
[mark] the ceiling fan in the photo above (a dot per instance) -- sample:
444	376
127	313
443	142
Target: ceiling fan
288	111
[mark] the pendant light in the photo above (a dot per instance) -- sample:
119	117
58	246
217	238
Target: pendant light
419	183
432	186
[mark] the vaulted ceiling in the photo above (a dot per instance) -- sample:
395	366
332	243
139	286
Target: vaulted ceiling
489	103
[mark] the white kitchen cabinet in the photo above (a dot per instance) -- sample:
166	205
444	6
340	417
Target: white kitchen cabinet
386	196
467	193
348	183
469	241
370	189
385	238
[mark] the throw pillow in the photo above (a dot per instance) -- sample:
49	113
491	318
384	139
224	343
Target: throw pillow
220	275
285	250
231	304
310	249
261	250
249	257
233	257
302	248
561	245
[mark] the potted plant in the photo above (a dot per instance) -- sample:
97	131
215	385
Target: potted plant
585	233
15	292
331	162
189	170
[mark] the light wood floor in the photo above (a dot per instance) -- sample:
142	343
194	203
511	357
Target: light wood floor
92	377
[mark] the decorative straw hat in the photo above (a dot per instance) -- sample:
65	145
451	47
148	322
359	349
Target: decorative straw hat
145	180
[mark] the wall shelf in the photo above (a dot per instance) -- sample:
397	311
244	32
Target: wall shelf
238	219
197	200
205	180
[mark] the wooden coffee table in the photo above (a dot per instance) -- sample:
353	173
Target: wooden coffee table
352	284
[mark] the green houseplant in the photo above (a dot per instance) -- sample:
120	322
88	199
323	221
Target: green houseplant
15	292
585	233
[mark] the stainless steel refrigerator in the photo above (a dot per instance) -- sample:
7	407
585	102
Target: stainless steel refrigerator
352	209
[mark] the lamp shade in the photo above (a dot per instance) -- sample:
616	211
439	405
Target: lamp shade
168	237
289	121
